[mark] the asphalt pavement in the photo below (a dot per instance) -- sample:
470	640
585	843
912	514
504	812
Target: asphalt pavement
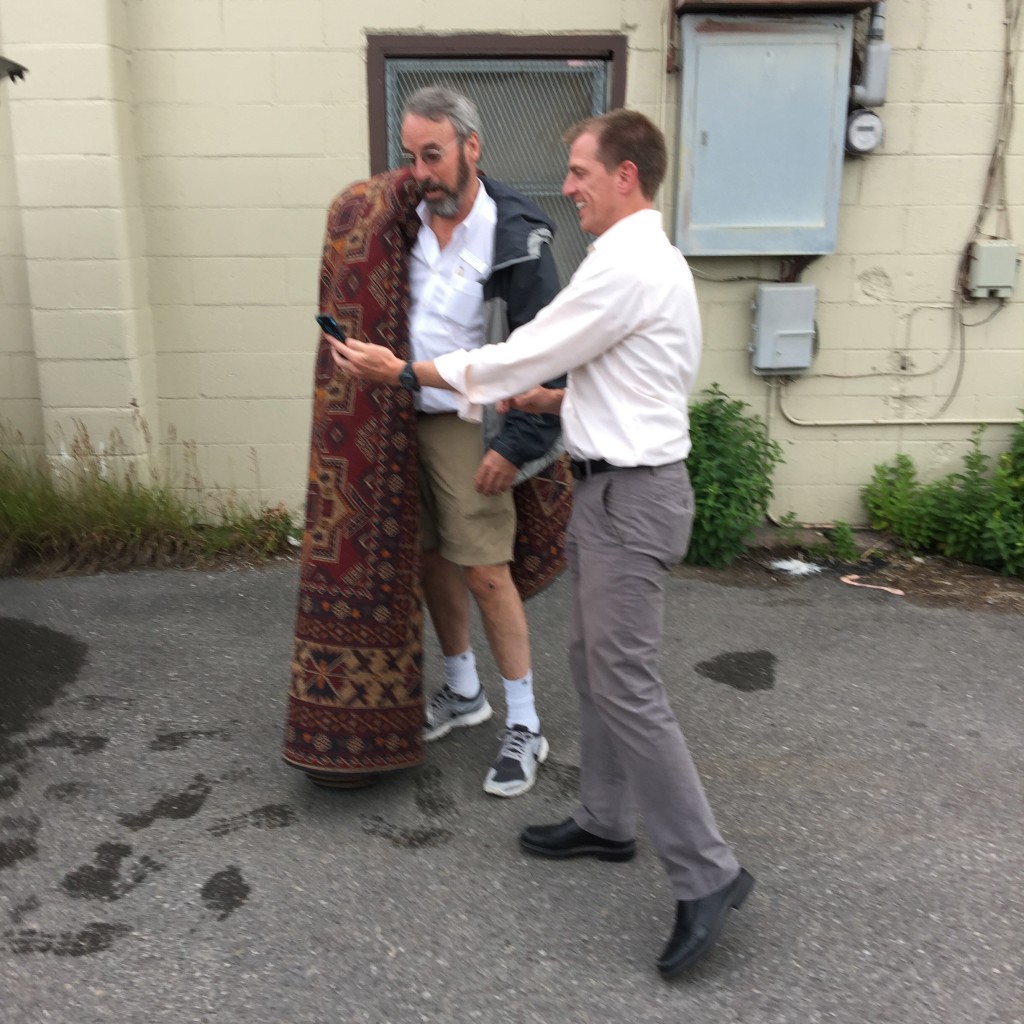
160	864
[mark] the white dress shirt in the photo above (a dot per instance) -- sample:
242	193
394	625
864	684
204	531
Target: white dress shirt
446	291
626	330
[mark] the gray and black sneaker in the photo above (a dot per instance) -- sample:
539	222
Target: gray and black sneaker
515	771
447	711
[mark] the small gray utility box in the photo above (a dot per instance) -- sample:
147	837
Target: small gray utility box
784	329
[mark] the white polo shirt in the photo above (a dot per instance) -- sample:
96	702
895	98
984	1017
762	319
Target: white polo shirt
447	293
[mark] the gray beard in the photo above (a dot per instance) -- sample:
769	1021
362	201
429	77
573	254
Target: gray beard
448	204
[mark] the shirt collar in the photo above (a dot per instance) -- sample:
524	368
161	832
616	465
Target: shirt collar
634	223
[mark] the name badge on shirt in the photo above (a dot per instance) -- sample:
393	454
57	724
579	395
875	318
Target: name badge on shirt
474	261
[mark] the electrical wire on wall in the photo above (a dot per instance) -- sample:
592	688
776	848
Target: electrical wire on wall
729	280
994	200
993	207
790	269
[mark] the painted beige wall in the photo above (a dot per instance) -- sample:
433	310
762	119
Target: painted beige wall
20	413
886	295
167	164
75	173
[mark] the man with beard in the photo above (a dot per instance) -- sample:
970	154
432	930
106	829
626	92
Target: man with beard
480	267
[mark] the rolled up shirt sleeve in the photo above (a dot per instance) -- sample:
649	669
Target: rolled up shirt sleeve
482	377
452	367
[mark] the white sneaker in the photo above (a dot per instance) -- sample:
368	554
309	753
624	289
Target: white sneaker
515	770
447	711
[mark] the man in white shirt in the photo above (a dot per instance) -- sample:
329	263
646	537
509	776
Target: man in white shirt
627	331
481	265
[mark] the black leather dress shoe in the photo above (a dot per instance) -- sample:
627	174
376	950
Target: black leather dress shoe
698	924
569	840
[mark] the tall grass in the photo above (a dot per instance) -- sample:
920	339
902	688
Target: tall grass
90	511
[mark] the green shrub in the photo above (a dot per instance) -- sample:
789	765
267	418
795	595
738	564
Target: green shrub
731	465
974	516
842	544
896	504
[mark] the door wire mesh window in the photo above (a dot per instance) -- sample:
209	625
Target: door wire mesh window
525	107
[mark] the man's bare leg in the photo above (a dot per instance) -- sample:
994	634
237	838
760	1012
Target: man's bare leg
462	701
504	619
446	589
523	747
447	599
503	615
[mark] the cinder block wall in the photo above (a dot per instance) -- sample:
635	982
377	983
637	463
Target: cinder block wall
81	224
20	413
886	296
249	117
166	168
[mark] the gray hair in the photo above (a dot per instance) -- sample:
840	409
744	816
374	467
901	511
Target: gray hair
434	102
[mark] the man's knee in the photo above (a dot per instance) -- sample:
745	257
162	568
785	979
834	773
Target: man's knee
488	580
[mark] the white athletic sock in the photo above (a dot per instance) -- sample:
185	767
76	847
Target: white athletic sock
460	673
519	701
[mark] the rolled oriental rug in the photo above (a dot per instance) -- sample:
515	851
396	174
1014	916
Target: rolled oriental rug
355	699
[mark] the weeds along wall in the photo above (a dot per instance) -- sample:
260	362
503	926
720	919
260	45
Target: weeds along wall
165	168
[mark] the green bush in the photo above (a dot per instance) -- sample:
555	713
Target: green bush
842	544
896	503
731	465
974	516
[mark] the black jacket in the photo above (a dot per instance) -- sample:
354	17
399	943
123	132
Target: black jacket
523	280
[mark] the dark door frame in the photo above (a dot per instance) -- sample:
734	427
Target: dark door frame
381	47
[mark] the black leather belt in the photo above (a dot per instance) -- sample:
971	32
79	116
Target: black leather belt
582	468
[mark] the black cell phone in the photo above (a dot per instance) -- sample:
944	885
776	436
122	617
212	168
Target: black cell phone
331	326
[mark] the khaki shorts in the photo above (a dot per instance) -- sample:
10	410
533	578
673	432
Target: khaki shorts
466	527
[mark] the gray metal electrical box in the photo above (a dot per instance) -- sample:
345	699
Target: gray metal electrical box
762	130
993	269
784	329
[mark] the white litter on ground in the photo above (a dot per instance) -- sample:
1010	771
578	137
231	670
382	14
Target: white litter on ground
795	567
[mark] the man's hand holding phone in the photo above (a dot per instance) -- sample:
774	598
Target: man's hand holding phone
360	358
365	361
331	326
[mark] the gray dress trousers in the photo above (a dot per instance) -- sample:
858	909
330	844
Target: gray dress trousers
628	528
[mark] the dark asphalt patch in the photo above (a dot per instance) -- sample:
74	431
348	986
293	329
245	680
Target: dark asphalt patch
70	741
406	838
177	740
103	879
17	840
268	816
225	892
742	670
93	938
172	805
431	797
38	664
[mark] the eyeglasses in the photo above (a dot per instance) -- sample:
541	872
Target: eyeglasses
430	155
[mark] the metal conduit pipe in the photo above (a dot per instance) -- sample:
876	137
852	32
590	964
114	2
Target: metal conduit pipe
877	28
874	79
956	422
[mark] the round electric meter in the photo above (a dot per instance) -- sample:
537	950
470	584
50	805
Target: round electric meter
864	132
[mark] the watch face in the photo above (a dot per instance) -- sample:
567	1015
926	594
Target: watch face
408	378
